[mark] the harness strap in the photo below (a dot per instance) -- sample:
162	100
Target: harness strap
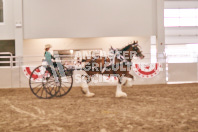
117	54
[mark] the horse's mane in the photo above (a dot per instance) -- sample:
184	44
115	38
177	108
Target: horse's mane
127	47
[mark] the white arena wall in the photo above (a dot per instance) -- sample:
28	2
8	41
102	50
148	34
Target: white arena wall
15	78
35	47
89	18
7	28
177	73
33	19
183	72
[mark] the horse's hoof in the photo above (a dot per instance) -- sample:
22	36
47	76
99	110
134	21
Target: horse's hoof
90	94
121	94
84	88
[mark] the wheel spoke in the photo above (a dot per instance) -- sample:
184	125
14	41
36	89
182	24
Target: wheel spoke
66	85
46	94
42	92
38	90
63	89
38	85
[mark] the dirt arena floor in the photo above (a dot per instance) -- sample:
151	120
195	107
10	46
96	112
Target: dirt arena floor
150	108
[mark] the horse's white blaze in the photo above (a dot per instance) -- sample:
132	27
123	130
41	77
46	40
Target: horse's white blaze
119	92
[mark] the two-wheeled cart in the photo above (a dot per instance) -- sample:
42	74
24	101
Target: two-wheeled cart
45	85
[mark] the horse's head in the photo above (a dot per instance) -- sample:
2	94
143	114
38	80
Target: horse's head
132	49
135	47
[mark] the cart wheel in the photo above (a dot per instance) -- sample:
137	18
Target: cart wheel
50	84
66	82
42	83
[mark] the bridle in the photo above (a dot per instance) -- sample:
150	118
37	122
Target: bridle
135	47
117	53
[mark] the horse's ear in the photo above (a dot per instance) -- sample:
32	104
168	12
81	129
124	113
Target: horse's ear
136	42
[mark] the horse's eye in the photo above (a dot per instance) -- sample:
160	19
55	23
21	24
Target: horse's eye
135	48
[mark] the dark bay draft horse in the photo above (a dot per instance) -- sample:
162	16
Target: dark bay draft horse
118	64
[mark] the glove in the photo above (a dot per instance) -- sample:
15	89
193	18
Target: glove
53	57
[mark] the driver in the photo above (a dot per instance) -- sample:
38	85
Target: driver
49	57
